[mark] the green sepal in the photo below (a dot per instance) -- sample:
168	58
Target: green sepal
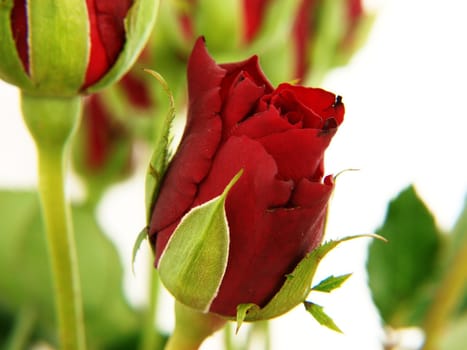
139	23
194	261
139	240
160	157
330	283
297	284
319	315
59	46
11	67
242	311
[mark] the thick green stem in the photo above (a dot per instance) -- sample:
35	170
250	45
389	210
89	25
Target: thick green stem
51	122
152	338
449	294
192	328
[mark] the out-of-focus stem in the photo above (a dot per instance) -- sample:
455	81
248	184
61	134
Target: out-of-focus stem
51	122
152	339
448	295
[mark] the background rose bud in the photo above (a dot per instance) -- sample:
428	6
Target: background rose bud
60	48
326	34
102	148
275	211
297	39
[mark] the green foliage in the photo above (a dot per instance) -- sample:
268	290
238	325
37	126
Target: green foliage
318	313
332	282
160	157
26	281
455	337
400	271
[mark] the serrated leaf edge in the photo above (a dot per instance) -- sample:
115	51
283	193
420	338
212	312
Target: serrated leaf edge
317	311
334	281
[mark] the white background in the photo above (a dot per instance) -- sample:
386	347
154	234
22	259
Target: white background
405	93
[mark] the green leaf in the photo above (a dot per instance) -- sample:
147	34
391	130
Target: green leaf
26	279
194	261
332	282
318	313
457	242
297	284
242	310
160	157
399	271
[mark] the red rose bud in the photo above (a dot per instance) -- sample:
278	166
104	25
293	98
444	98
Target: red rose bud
60	48
267	146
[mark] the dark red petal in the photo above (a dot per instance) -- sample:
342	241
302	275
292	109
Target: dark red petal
320	102
107	36
199	143
298	152
266	240
251	68
264	123
19	28
310	194
242	98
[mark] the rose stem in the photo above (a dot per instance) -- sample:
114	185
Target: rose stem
448	295
192	328
51	122
152	339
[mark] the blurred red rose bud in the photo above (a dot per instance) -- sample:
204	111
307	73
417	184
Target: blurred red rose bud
276	138
61	48
326	34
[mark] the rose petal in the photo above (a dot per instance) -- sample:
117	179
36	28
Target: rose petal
242	98
107	36
19	28
286	236
264	123
266	242
198	145
251	68
312	102
298	152
310	194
